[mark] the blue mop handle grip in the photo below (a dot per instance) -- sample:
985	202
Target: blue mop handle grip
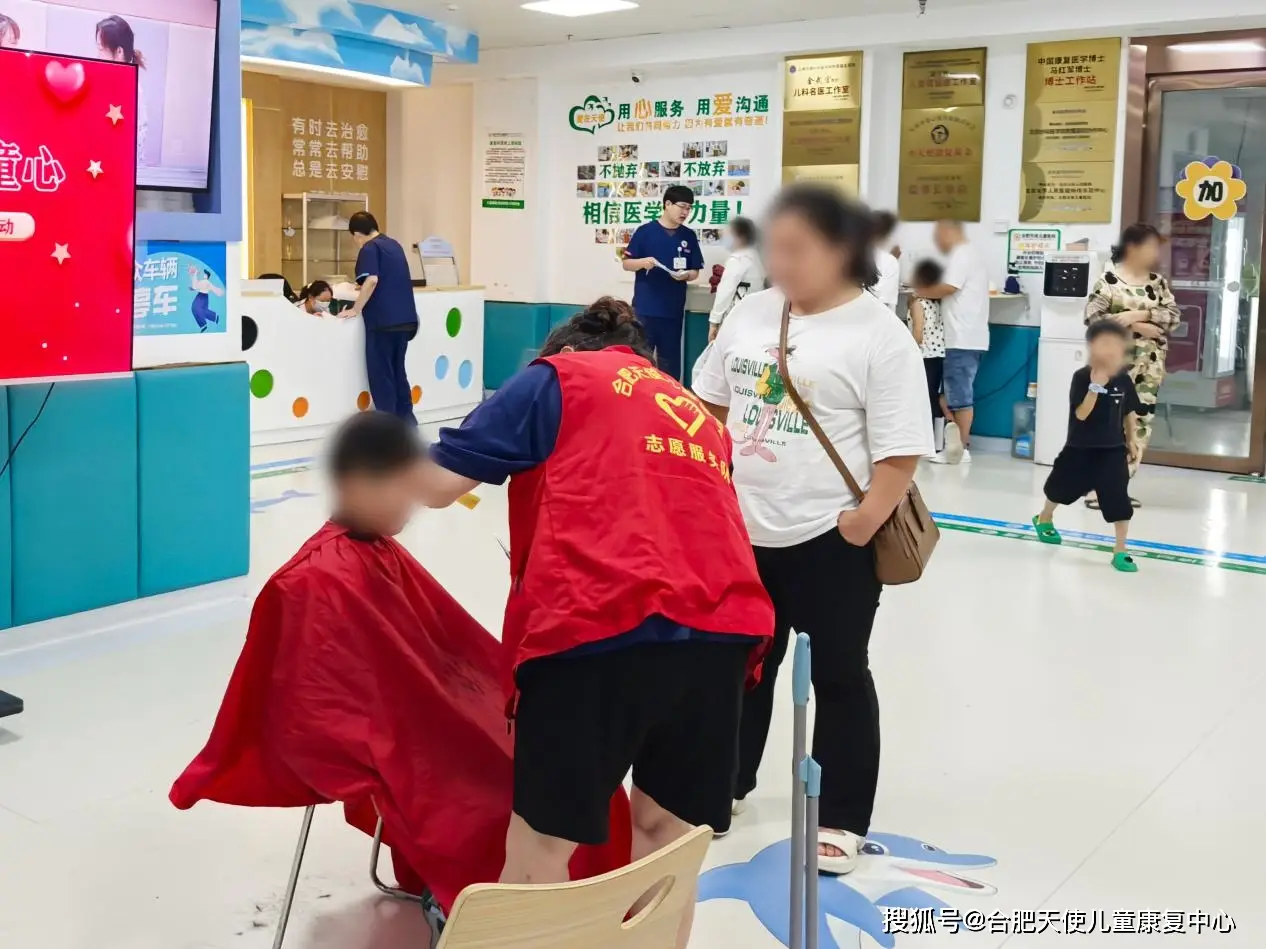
811	775
800	670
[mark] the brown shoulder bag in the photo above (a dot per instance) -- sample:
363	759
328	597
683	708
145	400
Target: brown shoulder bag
904	544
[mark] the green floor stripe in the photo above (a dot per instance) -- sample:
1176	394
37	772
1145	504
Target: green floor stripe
1106	549
275	472
1251	479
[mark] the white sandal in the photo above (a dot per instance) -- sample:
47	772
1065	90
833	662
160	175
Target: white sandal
848	843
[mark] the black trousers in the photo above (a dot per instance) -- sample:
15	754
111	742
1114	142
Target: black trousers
827	588
934	369
384	364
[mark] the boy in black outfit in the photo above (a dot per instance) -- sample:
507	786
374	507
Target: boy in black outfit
1100	443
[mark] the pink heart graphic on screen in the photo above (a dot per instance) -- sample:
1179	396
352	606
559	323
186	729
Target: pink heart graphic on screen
65	81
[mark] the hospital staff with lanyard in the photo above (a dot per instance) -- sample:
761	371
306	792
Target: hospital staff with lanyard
664	256
635	614
386	304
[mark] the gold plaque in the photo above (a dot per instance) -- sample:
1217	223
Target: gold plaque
843	177
943	136
1070	131
817	83
1066	192
939	192
942	78
1073	70
822	138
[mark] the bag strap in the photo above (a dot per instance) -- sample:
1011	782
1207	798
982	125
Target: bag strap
807	415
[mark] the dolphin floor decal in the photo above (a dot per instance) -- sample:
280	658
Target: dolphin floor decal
897	871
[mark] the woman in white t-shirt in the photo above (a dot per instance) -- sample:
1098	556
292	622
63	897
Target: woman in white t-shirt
861	374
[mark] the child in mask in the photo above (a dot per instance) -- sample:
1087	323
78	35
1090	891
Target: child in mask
315	298
1102	422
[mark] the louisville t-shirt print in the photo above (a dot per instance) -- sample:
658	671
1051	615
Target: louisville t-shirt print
768	412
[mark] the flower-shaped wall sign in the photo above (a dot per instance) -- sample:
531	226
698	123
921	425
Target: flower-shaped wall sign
1209	187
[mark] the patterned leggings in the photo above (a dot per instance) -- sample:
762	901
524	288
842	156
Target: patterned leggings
1147	369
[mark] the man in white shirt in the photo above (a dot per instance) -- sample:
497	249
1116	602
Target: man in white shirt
886	259
964	296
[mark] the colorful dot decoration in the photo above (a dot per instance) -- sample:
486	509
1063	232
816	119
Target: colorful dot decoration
441	367
362	401
416	394
453	323
300	407
465	373
261	383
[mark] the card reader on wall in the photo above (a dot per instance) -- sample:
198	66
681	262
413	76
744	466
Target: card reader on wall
1066	282
1067	275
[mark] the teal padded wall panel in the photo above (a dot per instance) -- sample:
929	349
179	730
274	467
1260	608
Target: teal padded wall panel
6	531
194	451
513	332
74	497
561	312
1004	376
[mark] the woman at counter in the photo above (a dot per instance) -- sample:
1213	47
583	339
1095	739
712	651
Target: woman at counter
1133	294
314	299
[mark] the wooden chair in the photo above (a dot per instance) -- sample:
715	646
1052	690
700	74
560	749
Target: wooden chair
587	914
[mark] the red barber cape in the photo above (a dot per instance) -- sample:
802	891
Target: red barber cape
362	681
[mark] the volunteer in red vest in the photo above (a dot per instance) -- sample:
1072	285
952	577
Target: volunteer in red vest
636	613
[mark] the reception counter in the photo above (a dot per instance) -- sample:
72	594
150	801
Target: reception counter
308	372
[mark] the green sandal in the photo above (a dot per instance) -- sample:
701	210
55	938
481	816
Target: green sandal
1046	532
1124	562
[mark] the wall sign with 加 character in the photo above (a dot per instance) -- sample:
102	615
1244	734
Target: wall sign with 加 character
1211	187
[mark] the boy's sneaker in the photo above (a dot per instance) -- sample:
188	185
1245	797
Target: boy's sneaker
1046	532
1124	562
738	807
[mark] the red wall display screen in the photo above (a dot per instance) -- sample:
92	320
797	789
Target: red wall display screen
67	208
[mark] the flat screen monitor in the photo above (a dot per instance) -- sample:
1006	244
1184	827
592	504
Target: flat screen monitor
67	209
172	41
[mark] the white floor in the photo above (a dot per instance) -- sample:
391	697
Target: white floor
1095	739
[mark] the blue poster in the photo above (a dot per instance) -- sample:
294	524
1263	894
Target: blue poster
178	289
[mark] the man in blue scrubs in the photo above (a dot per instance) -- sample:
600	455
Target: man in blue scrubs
391	316
659	295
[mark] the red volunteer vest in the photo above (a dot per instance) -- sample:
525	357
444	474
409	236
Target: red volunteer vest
632	515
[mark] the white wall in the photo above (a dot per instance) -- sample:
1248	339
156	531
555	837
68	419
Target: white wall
509	248
429	141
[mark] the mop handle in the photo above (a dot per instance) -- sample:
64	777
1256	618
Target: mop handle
800	694
811	773
800	671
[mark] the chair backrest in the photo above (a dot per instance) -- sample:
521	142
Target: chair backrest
587	913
